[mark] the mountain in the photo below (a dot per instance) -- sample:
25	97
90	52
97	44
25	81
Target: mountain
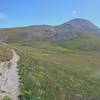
75	26
79	25
68	30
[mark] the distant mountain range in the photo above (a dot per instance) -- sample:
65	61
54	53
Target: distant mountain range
68	30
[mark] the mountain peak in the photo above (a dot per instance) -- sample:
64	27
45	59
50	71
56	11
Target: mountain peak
82	22
79	25
79	19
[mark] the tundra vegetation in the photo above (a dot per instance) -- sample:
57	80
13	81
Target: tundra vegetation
51	71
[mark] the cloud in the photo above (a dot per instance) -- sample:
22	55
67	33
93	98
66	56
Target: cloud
3	16
74	12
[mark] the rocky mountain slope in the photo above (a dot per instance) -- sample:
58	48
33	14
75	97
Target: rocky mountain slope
68	30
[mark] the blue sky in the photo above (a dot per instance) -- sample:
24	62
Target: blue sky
52	12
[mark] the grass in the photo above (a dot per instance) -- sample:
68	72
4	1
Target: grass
6	98
5	53
82	43
52	72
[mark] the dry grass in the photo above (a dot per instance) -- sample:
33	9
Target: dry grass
5	53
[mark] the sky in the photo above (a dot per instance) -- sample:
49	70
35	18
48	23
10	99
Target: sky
16	13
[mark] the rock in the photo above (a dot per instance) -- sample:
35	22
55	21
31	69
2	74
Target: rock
3	89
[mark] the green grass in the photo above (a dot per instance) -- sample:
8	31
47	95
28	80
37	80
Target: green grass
53	72
6	98
85	42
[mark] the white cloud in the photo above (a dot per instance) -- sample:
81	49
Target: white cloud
74	12
3	16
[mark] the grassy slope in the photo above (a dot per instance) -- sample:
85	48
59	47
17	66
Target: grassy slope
54	72
85	42
5	54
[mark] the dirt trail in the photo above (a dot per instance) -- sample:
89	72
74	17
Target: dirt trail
9	78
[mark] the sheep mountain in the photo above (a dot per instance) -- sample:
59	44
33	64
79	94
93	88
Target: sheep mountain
69	30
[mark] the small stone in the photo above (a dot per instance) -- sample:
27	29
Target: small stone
3	89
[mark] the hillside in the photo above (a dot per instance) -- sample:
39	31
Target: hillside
26	33
68	30
79	25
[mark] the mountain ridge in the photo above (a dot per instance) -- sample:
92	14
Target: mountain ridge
67	30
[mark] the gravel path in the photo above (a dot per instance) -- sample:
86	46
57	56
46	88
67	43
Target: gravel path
9	78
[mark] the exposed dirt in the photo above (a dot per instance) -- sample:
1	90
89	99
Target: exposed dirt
9	78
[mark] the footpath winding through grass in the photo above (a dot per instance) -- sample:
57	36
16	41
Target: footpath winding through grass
9	79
